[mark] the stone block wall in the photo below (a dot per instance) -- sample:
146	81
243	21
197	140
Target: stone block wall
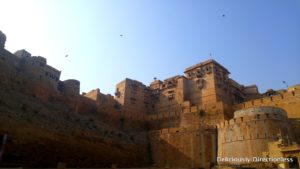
183	148
250	131
71	87
134	98
289	101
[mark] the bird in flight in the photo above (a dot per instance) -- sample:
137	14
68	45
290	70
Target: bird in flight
66	56
121	35
223	15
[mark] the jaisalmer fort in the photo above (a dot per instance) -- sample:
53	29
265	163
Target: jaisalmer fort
201	119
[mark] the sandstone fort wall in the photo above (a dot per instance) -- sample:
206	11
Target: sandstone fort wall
250	131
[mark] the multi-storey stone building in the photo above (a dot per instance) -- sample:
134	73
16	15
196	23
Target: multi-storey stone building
187	114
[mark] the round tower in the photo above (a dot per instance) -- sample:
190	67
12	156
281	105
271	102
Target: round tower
71	87
247	135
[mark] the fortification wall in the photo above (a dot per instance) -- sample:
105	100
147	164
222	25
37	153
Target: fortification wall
36	69
71	87
289	101
187	116
184	148
248	133
8	63
113	113
134	98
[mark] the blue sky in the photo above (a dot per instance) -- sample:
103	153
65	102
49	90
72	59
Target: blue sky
258	41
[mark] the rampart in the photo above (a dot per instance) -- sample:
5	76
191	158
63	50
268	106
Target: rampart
289	101
180	114
184	148
250	131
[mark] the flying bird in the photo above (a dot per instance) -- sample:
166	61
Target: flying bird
121	35
66	56
223	15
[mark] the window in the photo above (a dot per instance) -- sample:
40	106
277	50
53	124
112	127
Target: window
258	116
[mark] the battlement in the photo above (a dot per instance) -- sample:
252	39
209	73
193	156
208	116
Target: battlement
185	108
270	99
281	100
199	65
179	130
252	119
255	115
251	130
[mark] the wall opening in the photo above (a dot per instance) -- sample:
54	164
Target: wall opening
294	163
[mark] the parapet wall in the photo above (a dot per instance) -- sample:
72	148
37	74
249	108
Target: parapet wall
289	101
248	134
71	87
188	116
255	114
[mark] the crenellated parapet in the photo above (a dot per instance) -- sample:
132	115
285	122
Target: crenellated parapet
289	101
250	131
37	69
255	114
179	130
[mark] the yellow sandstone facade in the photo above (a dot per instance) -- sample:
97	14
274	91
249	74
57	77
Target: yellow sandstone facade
185	121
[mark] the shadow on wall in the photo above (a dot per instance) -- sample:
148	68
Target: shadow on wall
167	155
184	148
167	115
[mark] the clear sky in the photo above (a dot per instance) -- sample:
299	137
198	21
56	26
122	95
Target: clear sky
258	41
